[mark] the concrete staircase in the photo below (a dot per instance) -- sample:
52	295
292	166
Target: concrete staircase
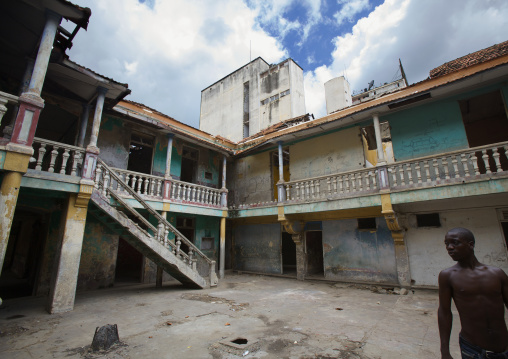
110	204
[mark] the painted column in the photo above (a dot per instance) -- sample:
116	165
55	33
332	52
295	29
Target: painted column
167	174
160	271
46	46
379	142
92	152
280	185
65	277
222	247
401	256
85	113
301	256
224	191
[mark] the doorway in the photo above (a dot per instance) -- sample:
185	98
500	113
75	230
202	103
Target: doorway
20	272
141	153
189	165
288	254
129	263
314	249
186	226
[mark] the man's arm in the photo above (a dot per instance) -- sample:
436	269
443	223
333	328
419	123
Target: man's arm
444	313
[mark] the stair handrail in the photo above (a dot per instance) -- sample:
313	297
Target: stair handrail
154	213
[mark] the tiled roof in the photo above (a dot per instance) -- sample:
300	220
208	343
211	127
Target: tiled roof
468	60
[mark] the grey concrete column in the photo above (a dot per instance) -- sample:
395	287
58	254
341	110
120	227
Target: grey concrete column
222	247
224	172
301	256
65	277
379	142
46	45
101	95
160	271
402	260
84	122
224	191
280	185
168	155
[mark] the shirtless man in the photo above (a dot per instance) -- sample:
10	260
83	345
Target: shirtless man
480	293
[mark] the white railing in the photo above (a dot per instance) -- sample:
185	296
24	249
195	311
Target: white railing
142	183
55	157
194	193
6	98
332	186
456	166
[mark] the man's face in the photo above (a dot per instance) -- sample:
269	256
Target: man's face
457	247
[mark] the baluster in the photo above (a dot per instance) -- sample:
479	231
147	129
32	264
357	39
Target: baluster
409	171
393	171
151	186
190	255
360	181
54	153
329	185
42	151
146	182
374	179
341	184
178	244
76	157
65	158
106	183
179	191
174	185
198	195
485	157
288	195
400	171
455	167
318	189
368	176
98	172
217	197
311	187
444	162
418	169
495	154
352	181
297	190
334	182
346	183
134	179
427	171
435	165
474	159
465	167
307	190
166	239
302	189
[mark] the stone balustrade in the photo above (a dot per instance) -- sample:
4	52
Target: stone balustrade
192	193
55	157
142	183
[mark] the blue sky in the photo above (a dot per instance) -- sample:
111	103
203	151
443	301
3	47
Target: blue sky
169	50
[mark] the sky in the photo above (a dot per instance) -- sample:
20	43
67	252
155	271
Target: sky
167	51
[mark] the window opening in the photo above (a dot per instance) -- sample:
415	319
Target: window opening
367	224
428	220
140	153
189	164
246	112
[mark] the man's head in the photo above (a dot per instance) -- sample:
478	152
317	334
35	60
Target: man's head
459	243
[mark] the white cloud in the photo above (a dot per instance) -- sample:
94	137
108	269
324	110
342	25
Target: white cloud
423	34
169	51
350	9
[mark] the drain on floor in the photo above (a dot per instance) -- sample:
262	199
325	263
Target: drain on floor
237	345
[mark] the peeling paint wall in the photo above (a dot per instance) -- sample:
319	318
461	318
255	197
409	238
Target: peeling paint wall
114	139
257	248
98	256
354	255
427	253
333	153
159	155
250	180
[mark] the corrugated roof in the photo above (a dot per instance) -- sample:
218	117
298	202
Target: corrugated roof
471	59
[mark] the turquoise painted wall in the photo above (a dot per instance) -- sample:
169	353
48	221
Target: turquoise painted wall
351	254
433	128
159	156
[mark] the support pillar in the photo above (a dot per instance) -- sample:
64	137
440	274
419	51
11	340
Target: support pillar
167	174
222	246
160	271
82	126
401	256
296	230
280	185
224	191
65	278
379	141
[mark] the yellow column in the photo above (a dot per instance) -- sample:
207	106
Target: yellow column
65	278
8	197
222	245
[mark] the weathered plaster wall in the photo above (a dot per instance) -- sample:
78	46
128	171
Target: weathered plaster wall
208	227
251	179
49	252
160	155
114	139
297	95
354	255
257	248
427	253
98	256
332	153
222	103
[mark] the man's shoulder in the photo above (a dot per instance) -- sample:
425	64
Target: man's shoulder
447	271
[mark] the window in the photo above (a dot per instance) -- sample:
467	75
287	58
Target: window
428	220
207	243
367	224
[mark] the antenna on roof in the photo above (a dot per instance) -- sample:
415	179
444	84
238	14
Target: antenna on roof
371	84
403	73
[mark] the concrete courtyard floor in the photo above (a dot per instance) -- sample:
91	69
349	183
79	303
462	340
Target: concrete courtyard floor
269	317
